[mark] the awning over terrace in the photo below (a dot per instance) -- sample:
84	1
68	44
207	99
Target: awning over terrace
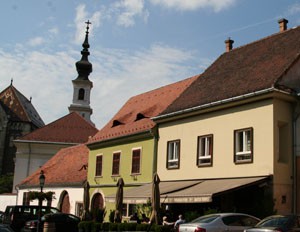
195	191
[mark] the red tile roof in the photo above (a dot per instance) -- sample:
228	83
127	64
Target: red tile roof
134	116
18	107
72	128
257	66
66	168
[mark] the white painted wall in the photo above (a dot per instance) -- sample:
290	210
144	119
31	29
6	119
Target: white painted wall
7	199
75	196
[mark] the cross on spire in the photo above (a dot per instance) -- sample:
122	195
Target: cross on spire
87	26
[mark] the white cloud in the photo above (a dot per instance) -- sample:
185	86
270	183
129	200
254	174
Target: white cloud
82	16
117	75
36	41
216	5
53	31
129	11
294	9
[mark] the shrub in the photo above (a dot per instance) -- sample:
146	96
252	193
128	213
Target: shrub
85	226
105	226
142	227
96	227
160	228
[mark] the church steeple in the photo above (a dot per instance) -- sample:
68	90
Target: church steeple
84	67
82	85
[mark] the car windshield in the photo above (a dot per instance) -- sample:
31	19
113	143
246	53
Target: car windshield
205	219
273	222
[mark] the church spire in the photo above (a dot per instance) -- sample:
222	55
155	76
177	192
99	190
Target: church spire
82	85
84	67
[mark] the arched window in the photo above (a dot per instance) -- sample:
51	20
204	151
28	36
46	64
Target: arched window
98	207
64	202
81	94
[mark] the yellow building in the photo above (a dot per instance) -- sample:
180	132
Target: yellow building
233	133
126	148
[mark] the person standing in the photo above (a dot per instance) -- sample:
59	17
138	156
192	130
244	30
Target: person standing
178	222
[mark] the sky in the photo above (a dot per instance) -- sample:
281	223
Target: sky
135	45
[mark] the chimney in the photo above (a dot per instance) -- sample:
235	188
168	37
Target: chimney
229	43
282	24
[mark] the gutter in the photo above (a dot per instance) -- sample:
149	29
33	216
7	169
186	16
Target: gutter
142	134
216	103
44	142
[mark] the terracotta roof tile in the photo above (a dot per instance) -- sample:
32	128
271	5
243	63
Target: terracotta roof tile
247	69
18	107
134	116
66	167
72	128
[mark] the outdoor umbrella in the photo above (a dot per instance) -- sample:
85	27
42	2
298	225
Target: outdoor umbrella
155	201
86	201
119	201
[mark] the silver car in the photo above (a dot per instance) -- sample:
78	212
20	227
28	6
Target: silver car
277	223
220	222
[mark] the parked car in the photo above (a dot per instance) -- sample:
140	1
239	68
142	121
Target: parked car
278	223
5	228
1	216
60	221
16	215
235	222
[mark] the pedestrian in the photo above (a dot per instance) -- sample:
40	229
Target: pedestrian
166	223
135	218
178	222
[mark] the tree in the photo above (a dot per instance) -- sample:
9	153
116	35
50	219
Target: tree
6	183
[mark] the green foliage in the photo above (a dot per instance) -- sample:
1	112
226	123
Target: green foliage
92	226
160	228
190	215
142	227
130	226
99	214
86	226
33	195
96	227
105	226
211	211
144	208
6	183
113	226
111	216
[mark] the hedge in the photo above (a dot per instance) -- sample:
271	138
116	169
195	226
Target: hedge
92	226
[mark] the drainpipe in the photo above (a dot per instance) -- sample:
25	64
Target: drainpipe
294	192
29	159
154	132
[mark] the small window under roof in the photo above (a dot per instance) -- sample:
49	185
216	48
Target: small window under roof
139	116
116	123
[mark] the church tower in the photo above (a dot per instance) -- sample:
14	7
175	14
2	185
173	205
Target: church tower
82	85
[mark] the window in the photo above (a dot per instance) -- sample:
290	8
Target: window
243	145
81	93
116	163
136	158
78	209
173	152
205	150
99	165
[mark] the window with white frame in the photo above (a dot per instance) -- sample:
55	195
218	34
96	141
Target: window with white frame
136	161
243	145
173	154
205	150
99	162
116	163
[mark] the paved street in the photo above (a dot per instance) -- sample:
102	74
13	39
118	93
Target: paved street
5	228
